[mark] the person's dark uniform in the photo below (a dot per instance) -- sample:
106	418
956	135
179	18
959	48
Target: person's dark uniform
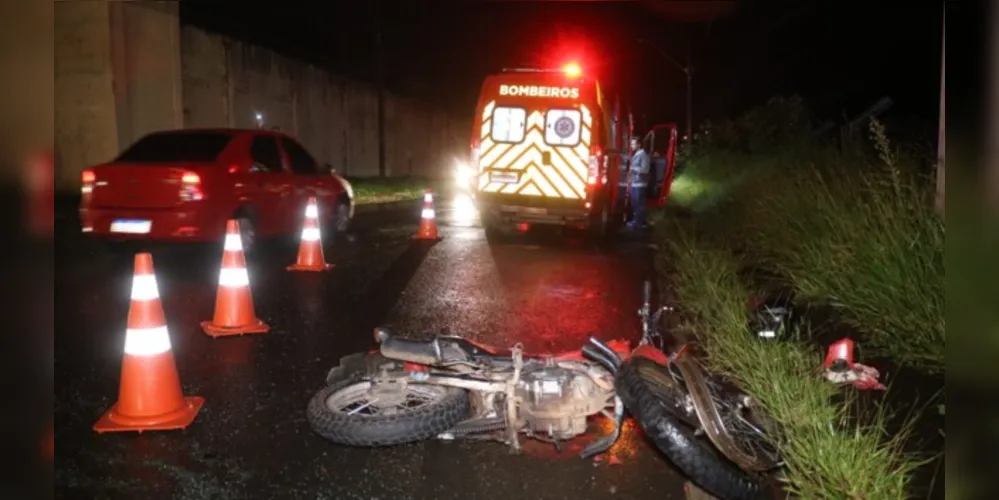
638	182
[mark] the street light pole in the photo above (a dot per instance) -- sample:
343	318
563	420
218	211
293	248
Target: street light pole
690	96
380	78
688	71
941	122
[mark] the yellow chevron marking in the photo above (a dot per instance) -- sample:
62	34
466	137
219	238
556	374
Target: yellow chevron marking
530	190
564	178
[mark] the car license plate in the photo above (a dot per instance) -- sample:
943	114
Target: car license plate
131	226
535	211
504	177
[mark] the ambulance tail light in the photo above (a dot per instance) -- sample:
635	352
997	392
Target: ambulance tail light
595	174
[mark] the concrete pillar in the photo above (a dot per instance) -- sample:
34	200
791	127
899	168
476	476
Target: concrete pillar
145	43
85	123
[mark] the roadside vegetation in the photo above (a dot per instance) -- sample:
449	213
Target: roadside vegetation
762	205
388	189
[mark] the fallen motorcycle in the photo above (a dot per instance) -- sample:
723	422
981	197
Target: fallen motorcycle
450	387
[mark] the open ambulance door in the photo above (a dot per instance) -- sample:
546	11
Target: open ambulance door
661	142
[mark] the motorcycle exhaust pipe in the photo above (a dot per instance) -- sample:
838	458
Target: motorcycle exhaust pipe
608	352
599	357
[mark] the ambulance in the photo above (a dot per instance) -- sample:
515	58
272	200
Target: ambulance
546	149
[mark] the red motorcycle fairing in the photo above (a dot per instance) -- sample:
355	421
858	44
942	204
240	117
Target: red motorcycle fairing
653	354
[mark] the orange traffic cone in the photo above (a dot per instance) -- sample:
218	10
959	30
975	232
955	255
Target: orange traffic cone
428	219
234	314
310	250
149	395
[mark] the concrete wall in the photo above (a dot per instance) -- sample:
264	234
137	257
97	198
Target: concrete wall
124	69
226	83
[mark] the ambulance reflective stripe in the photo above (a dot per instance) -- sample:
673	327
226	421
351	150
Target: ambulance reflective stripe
147	341
234	277
564	178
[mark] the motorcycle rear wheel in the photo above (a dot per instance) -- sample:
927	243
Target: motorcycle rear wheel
346	413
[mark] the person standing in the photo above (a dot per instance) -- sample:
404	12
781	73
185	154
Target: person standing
638	182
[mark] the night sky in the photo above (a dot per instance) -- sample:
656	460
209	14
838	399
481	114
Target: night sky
839	56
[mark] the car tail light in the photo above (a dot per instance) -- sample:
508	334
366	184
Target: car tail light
88	178
190	189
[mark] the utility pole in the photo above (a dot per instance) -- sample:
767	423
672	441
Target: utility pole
942	129
690	94
688	71
380	79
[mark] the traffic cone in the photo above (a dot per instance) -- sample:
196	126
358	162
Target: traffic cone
234	314
310	250
149	394
428	219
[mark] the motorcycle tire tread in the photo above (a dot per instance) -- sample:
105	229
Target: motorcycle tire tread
695	458
374	431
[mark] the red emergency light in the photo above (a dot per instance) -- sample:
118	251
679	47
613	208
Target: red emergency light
572	70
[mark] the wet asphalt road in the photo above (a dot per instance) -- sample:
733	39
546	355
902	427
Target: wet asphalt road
251	439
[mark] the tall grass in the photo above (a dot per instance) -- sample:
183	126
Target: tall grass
828	455
862	237
854	230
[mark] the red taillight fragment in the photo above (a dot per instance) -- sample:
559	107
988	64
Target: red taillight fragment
191	188
190	178
89	177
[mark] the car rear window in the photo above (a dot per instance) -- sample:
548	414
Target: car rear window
177	147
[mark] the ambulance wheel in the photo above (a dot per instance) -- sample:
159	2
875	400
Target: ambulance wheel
495	233
600	224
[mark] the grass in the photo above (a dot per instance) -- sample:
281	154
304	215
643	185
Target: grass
855	234
828	454
852	228
388	189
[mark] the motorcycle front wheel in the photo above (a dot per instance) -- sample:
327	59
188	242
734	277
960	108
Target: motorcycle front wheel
352	410
648	393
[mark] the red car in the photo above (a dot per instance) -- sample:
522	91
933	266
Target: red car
182	185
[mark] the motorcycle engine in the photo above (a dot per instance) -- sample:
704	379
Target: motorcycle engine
556	401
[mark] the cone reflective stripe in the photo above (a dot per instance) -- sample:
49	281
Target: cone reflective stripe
310	249
234	311
428	219
149	394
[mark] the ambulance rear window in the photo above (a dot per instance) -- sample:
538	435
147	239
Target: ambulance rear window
562	127
509	124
